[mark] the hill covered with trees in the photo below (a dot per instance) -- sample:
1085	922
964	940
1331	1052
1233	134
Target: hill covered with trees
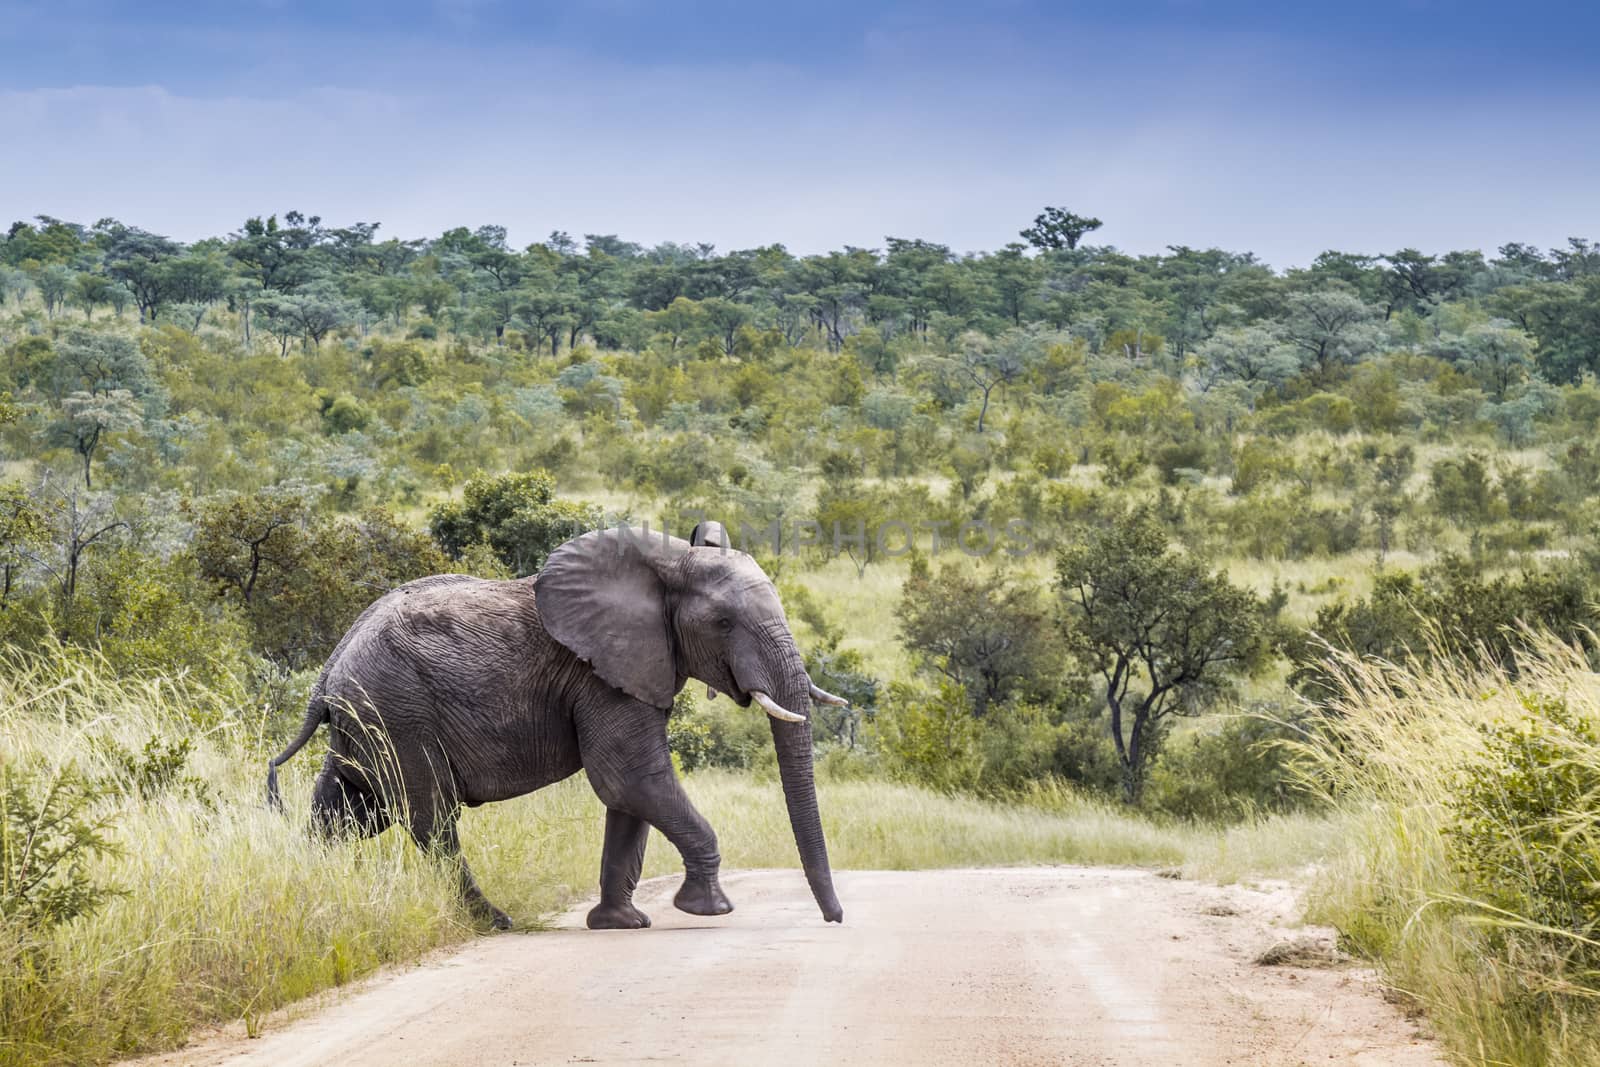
217	453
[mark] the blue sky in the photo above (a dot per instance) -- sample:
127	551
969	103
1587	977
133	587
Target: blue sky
1282	128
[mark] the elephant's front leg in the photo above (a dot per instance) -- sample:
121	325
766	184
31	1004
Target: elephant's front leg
625	754
620	862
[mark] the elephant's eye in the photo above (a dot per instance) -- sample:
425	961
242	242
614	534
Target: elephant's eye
725	624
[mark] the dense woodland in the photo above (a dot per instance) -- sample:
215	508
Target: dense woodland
213	455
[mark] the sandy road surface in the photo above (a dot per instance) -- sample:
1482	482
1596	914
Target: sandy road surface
1059	965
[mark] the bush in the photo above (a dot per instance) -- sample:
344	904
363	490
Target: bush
1521	830
1229	768
724	735
1259	462
1450	611
52	827
982	628
1024	744
931	738
517	515
159	769
343	414
1180	456
300	579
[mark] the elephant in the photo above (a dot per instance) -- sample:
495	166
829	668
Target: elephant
455	691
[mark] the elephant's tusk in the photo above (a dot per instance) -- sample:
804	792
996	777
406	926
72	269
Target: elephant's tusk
822	696
775	709
711	694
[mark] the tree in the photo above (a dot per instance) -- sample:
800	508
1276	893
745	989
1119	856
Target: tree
1015	279
1056	228
980	629
1498	354
1333	329
138	259
1161	631
1564	317
516	515
301	578
987	364
242	540
78	523
1463	491
677	321
13	282
54	283
281	258
100	363
88	417
311	312
851	513
89	290
724	318
1254	355
319	309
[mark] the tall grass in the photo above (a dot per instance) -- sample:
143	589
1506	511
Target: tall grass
1407	753
229	910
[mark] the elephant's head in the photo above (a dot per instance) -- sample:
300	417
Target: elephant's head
649	612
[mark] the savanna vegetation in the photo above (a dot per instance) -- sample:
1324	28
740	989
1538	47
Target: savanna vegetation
1170	559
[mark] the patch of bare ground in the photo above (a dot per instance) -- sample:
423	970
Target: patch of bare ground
1060	965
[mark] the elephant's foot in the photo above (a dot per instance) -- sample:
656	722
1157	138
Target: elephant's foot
486	912
604	916
702	896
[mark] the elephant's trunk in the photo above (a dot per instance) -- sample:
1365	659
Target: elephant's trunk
793	742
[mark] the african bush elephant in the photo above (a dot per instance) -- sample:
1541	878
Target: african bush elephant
454	691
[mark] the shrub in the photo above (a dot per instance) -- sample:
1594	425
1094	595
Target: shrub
343	414
981	628
931	738
1170	459
1520	828
723	735
1259	462
1025	744
1449	611
160	768
1229	768
299	578
52	827
517	515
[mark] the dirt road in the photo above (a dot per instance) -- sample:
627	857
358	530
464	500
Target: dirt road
1061	965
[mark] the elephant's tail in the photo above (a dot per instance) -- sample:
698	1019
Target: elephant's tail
316	715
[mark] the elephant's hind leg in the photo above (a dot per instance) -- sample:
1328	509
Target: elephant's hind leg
340	808
436	832
620	863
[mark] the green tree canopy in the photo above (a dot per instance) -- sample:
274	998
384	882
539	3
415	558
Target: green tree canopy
980	628
516	515
1162	631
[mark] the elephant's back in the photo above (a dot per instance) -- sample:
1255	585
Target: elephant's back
465	610
446	618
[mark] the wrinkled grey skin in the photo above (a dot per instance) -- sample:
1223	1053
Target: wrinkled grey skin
454	691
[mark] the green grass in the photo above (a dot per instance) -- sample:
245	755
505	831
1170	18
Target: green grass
1400	745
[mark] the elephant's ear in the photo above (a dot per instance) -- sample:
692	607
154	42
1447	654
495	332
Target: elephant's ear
602	596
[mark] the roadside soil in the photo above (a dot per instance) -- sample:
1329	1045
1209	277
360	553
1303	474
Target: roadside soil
1059	965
